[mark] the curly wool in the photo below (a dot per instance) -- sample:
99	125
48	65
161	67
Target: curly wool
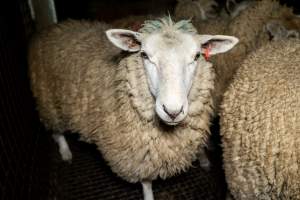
79	87
260	124
249	27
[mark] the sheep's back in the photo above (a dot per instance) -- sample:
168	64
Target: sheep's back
65	61
260	125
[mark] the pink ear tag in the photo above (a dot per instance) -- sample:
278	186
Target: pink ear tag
207	52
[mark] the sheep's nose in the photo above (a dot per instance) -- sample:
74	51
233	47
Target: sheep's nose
173	113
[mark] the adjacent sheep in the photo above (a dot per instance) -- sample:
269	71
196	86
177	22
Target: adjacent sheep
260	125
196	10
233	7
123	102
203	11
250	27
185	9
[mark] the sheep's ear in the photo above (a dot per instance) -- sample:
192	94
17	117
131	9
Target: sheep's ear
214	44
124	39
277	31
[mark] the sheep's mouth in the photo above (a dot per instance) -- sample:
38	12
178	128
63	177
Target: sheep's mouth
170	126
170	123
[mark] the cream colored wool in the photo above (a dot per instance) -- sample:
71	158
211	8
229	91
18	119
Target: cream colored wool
260	124
80	86
249	27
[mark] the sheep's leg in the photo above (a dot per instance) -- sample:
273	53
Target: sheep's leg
63	146
204	161
147	190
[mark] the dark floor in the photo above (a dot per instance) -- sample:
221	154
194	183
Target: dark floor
89	178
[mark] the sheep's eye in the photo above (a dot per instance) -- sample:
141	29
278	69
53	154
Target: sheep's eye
197	56
144	55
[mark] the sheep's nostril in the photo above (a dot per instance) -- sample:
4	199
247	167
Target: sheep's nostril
173	114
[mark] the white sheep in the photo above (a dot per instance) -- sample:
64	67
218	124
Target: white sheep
147	111
260	124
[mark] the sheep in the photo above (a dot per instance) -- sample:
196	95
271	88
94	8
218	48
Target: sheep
252	27
203	11
198	10
260	124
233	7
278	31
224	19
148	110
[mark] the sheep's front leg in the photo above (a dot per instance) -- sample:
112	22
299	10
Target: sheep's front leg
63	146
147	190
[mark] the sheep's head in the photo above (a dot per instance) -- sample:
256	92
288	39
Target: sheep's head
283	24
283	27
235	7
197	9
171	53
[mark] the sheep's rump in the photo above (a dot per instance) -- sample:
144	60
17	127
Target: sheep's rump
260	124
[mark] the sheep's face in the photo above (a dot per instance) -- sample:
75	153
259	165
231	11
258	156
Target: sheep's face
170	59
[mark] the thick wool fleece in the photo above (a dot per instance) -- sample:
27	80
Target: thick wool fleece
249	27
79	86
260	124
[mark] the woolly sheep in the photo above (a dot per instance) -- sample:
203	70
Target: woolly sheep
198	10
202	11
142	109
252	27
260	124
234	8
185	9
